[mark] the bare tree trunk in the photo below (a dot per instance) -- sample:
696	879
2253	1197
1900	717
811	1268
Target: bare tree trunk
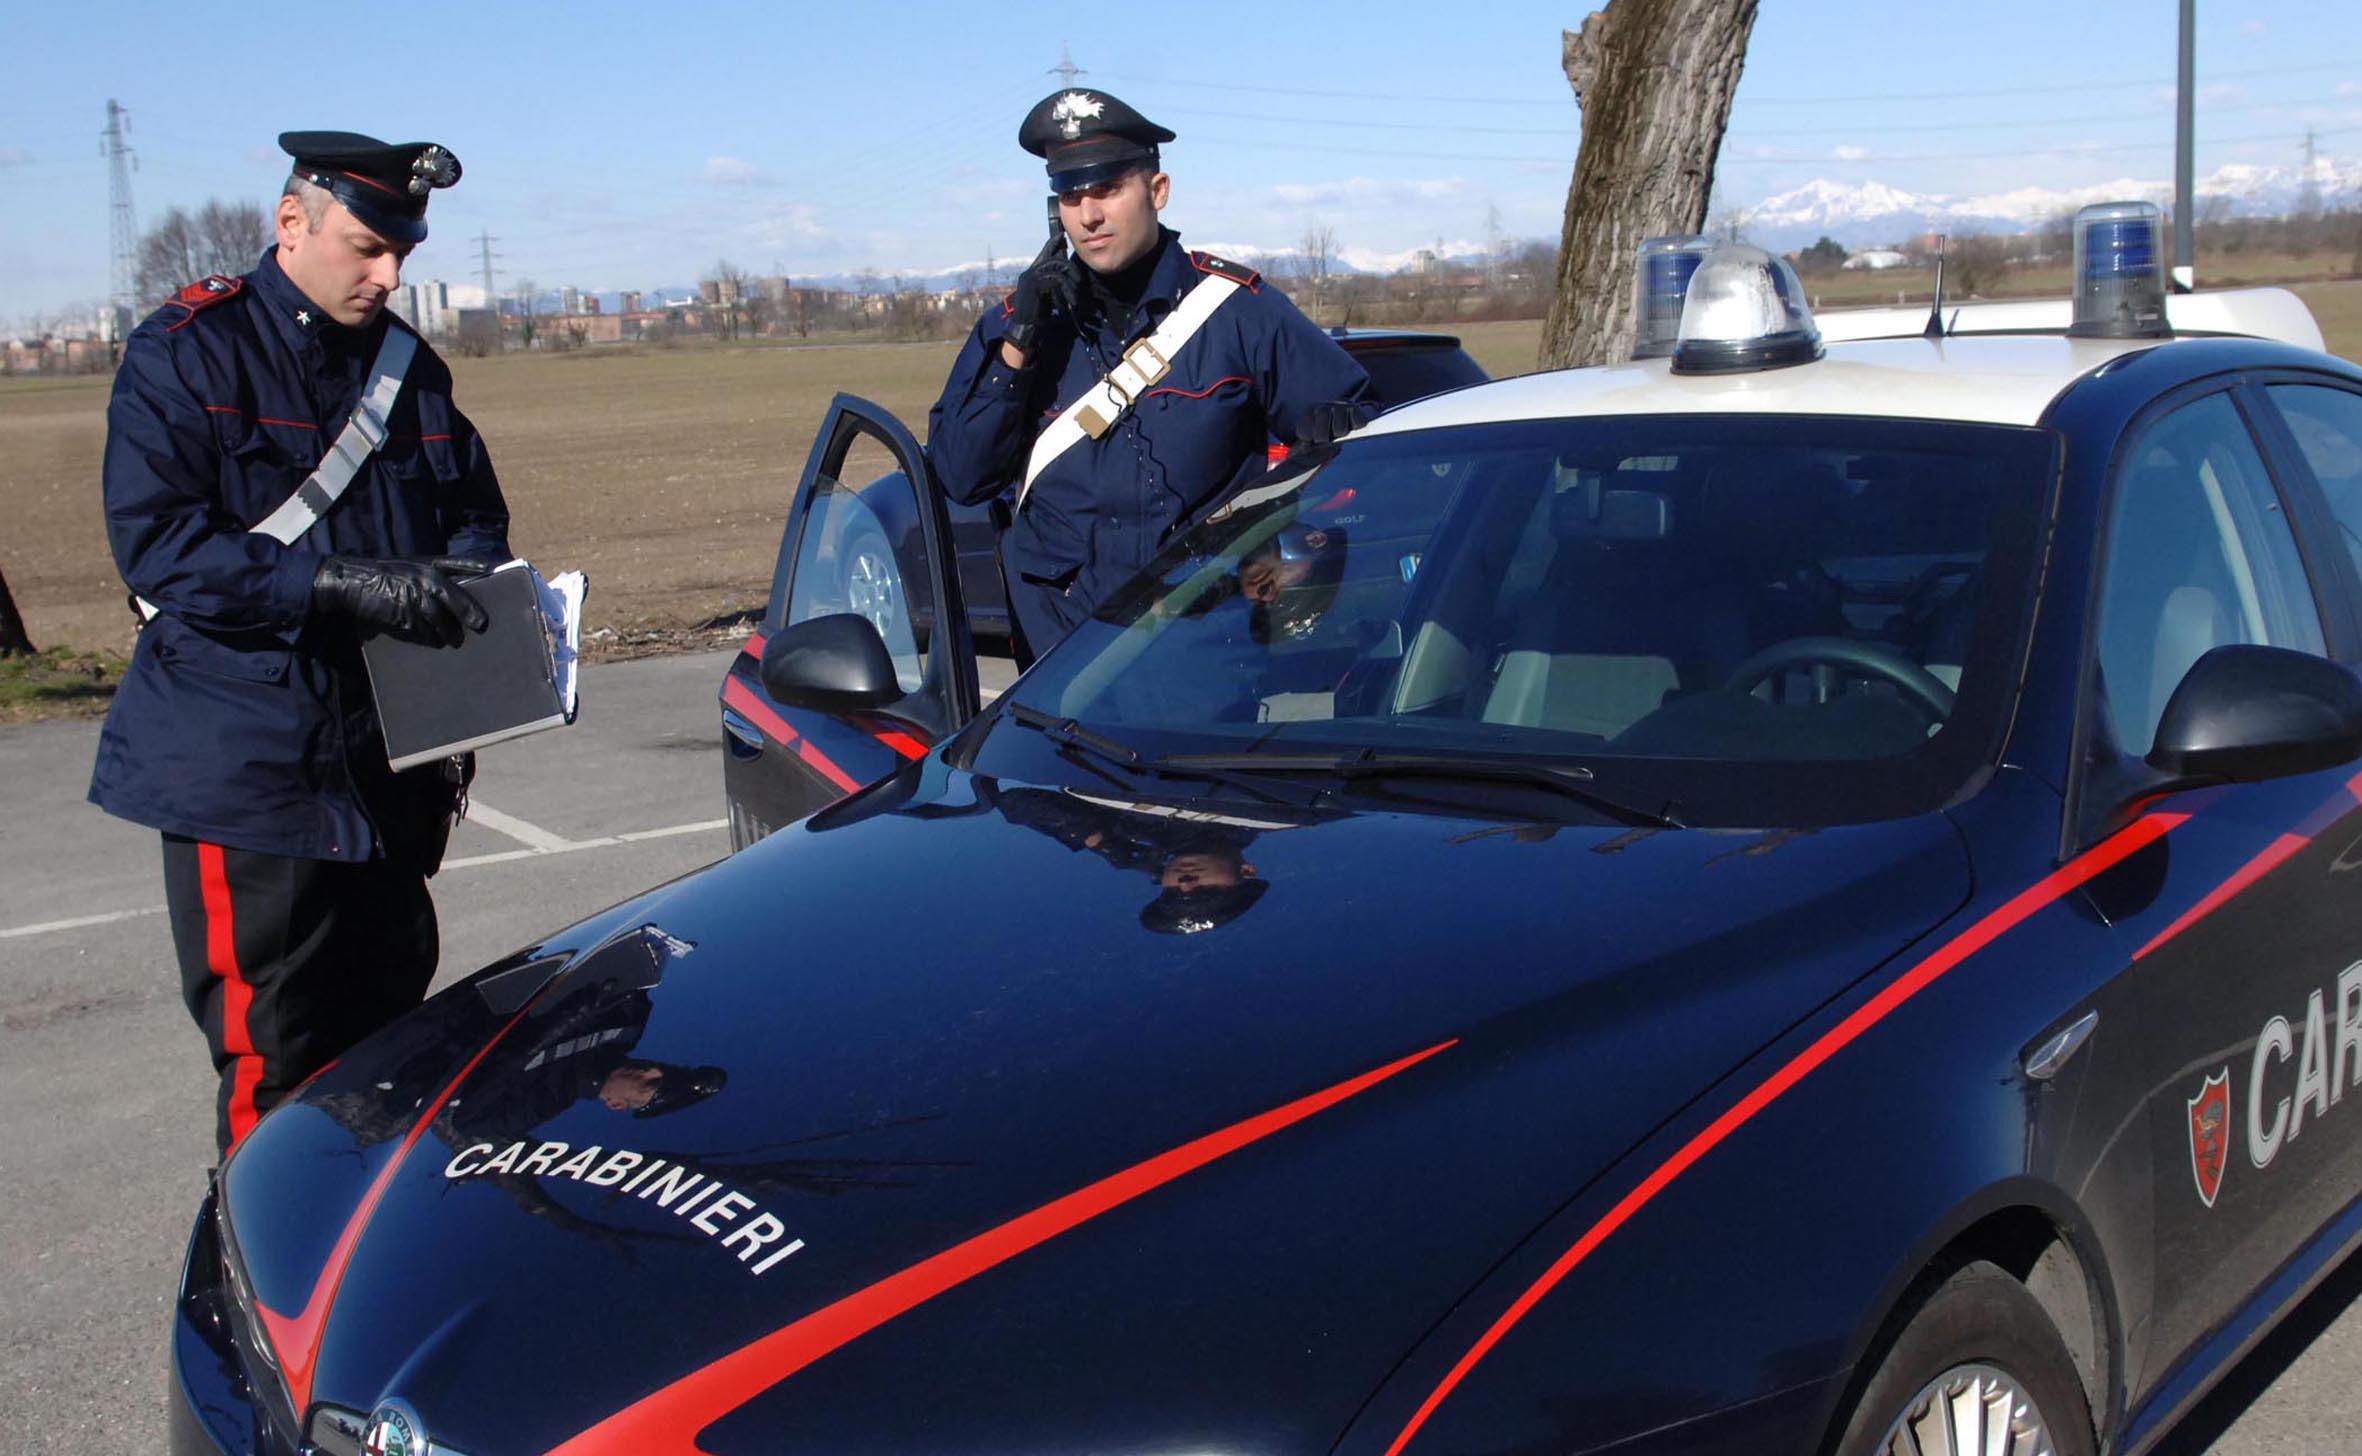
1654	79
13	641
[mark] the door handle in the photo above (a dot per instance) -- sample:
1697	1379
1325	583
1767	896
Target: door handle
744	735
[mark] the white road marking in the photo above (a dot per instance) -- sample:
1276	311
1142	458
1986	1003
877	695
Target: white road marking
532	836
698	828
80	921
544	844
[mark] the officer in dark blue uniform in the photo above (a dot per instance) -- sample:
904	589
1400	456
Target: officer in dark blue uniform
1179	423
295	860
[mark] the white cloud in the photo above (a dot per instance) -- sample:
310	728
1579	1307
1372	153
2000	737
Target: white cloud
2251	27
790	230
1850	153
731	172
2222	93
14	156
2349	88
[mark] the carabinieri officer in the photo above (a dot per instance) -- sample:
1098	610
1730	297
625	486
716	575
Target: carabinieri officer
1109	402
295	860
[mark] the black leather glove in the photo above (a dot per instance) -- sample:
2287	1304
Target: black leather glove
1330	420
1050	278
415	600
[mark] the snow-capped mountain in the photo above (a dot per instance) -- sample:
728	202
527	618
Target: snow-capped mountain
1868	213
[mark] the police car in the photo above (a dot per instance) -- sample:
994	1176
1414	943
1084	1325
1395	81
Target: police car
1789	896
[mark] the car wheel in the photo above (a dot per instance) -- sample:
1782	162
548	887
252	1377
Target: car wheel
1979	1371
870	584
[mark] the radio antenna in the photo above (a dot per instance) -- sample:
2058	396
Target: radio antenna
1935	312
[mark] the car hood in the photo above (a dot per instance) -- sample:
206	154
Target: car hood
945	1128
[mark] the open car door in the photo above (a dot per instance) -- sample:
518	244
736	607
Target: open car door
865	601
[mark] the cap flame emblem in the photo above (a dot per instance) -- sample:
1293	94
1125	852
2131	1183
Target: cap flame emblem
1073	109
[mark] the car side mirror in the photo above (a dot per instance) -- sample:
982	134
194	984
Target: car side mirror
835	664
2244	713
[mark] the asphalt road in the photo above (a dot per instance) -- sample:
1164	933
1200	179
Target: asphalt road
106	1099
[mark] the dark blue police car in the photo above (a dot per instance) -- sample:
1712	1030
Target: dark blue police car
1786	898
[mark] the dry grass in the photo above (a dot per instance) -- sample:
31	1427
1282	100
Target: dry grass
663	473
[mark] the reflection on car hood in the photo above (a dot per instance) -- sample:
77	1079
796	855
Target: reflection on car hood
871	1136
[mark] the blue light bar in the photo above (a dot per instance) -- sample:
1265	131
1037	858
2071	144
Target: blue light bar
2119	272
1662	281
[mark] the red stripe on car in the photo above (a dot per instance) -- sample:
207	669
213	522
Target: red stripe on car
738	695
2110	851
295	1339
670	1420
901	743
2263	864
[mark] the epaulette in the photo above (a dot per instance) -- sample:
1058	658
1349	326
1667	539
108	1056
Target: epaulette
1236	272
202	294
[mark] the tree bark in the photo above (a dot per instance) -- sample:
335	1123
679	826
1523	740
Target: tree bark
13	640
1654	80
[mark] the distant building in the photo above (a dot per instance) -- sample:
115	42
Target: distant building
426	306
1875	258
569	300
630	303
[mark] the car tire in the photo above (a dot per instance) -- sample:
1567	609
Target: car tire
1978	1350
869	583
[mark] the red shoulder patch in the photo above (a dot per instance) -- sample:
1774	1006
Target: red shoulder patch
1238	273
204	293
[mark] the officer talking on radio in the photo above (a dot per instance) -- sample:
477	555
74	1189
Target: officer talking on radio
1123	384
285	472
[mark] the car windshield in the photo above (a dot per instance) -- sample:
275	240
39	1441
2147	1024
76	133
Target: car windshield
1747	620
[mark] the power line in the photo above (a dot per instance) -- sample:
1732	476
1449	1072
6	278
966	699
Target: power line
1786	158
1570	133
1744	100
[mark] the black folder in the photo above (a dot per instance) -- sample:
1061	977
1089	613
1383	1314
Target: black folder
497	684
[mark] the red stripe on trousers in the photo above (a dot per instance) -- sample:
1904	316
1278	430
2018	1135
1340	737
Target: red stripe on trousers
237	996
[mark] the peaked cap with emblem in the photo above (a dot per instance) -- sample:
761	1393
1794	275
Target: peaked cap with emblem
1088	136
385	186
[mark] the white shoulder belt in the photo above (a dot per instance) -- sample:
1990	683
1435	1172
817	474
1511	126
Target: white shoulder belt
351	449
1095	412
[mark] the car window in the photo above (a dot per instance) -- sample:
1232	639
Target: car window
1813	611
2327	424
853	559
2199	555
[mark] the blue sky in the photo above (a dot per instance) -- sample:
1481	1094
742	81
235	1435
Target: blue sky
614	145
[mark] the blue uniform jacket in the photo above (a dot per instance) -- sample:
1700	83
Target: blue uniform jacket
242	721
1101	509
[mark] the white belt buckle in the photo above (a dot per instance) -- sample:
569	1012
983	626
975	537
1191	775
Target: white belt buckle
1150	372
370	425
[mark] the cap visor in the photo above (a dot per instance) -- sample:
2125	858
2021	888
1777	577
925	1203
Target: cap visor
1074	179
394	227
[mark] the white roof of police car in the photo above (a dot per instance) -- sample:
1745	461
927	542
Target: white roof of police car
1992	378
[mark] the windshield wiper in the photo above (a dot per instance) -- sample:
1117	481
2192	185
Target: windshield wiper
1571	780
1067	733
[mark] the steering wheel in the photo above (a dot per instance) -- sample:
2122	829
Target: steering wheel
1862	659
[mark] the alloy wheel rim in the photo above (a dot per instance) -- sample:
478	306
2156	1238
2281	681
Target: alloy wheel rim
869	591
1970	1410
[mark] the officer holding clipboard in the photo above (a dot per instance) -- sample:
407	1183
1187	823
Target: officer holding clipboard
285	471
